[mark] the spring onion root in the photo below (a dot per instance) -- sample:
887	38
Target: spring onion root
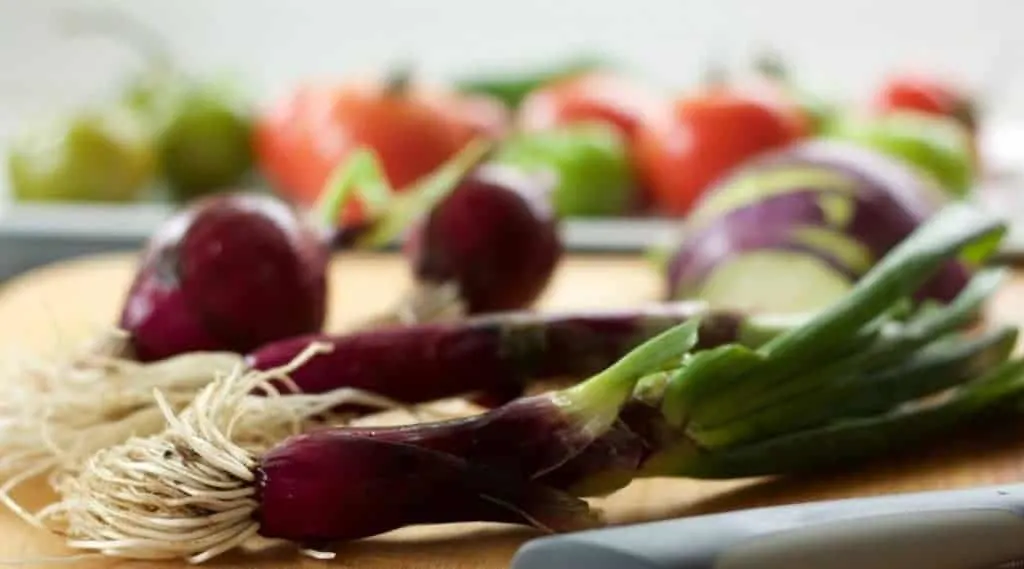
58	415
188	491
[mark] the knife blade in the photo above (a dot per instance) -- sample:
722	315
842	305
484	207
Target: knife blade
952	529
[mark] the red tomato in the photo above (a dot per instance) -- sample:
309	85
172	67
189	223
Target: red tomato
284	145
929	95
303	138
594	96
590	96
926	95
683	151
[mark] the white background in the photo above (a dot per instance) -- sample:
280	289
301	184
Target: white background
838	47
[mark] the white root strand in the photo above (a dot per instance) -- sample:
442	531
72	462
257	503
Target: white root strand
58	412
187	491
55	415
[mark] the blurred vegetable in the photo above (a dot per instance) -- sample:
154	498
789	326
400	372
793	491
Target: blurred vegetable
928	95
512	87
97	154
938	146
589	162
205	143
587	97
412	129
682	152
793	230
494	238
202	133
479	238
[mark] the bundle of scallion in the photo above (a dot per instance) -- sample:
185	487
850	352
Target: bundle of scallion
870	373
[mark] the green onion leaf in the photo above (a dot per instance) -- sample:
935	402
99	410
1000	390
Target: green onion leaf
850	440
897	275
945	364
360	175
417	200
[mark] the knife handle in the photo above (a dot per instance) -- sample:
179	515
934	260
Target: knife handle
957	529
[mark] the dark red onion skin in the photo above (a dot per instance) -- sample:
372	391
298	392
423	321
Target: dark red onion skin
514	464
497	354
495	235
890	201
336	485
231	272
526	436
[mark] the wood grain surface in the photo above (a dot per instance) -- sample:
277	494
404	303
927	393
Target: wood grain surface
61	305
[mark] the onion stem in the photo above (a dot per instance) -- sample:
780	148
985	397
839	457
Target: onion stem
600	397
423	195
360	175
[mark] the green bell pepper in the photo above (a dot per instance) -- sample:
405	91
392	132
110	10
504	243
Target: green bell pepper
590	161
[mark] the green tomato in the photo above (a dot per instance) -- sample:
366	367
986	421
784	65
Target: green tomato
99	155
204	145
937	146
590	161
203	133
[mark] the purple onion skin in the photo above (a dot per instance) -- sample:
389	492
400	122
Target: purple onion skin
768	224
516	464
231	272
890	202
495	236
496	354
335	485
524	437
877	173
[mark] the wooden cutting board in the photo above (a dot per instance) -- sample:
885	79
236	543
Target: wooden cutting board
63	304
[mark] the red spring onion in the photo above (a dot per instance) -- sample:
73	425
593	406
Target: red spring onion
194	491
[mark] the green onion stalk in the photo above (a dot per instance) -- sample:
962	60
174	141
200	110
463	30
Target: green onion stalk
863	377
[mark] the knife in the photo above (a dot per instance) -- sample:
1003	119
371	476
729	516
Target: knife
951	529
